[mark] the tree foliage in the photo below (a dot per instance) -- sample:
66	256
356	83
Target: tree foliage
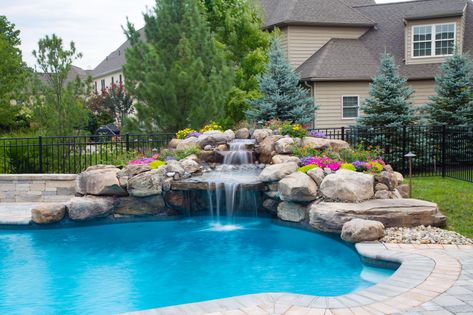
237	25
453	103
59	107
283	98
389	102
178	75
13	74
118	103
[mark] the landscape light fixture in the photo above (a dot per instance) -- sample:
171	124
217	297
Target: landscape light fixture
410	156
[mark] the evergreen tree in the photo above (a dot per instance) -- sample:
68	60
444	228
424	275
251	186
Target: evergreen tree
453	103
178	75
388	104
237	24
283	98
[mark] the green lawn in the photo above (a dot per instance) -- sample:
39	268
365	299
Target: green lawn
454	197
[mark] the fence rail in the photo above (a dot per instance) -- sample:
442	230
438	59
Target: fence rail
440	151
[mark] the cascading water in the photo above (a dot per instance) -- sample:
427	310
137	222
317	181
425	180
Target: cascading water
225	191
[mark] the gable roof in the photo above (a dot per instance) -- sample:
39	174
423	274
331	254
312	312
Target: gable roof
311	12
388	35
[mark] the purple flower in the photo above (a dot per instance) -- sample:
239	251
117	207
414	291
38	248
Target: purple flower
194	134
306	160
169	158
359	165
317	134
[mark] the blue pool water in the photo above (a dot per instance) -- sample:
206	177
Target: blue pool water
126	267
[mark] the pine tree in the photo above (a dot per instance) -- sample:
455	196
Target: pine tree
388	104
178	75
453	103
283	97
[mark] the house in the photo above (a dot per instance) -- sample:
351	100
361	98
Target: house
335	45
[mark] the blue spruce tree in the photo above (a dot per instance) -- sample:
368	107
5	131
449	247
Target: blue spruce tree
388	104
283	98
453	103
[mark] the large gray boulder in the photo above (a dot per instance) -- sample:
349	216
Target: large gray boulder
291	212
298	187
174	143
188	143
242	133
358	230
100	181
266	148
190	166
389	179
260	134
272	173
148	183
284	145
90	207
212	138
317	174
331	216
322	144
133	206
348	186
279	159
230	134
48	213
129	171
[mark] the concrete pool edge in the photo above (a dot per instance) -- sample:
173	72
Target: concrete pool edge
422	276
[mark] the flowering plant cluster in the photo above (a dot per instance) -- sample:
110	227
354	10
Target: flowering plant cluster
371	166
293	130
184	133
144	160
317	134
213	126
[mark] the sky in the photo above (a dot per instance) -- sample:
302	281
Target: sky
95	26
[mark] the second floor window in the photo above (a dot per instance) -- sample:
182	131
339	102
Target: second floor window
433	40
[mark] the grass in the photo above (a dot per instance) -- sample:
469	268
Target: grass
454	197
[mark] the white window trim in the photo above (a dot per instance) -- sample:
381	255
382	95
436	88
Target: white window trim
358	109
433	40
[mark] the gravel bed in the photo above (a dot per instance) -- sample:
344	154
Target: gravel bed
424	235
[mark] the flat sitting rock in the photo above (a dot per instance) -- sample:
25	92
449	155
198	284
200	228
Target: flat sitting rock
101	180
358	230
88	208
331	216
298	187
277	172
48	213
348	186
322	144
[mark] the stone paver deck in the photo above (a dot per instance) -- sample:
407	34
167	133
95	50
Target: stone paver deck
432	279
17	213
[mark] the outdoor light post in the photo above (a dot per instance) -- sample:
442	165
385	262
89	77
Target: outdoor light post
410	156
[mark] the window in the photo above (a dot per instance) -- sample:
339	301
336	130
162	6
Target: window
95	86
121	81
113	81
433	40
350	106
102	85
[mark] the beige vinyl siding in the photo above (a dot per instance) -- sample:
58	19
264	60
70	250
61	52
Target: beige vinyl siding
328	96
423	60
424	89
304	41
284	37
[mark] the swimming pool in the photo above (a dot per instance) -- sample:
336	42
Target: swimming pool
117	268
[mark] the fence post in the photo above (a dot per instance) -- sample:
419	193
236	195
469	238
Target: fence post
127	142
40	145
444	151
404	148
343	133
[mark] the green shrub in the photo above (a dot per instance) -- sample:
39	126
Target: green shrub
348	166
178	154
156	164
307	168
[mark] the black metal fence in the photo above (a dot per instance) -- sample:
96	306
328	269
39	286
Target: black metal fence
70	155
440	151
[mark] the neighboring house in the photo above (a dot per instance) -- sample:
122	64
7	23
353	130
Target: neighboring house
71	76
335	45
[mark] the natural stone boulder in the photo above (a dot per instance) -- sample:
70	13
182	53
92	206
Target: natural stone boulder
147	184
222	147
271	205
331	216
190	166
129	171
242	133
100	181
208	156
260	134
88	208
403	191
277	172
141	206
230	135
317	174
298	187
382	194
400	178
380	187
212	138
322	144
188	143
358	230
174	143
292	212
348	186
266	148
175	167
279	159
177	200
387	178
284	145
47	213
